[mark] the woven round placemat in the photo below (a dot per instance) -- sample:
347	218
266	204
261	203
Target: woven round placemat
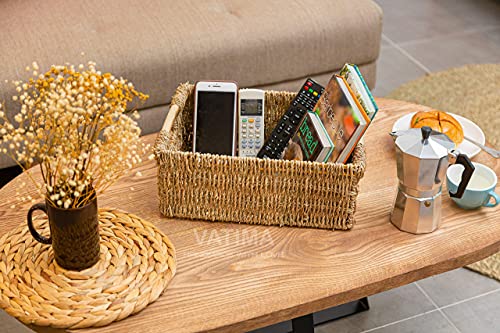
471	91
136	264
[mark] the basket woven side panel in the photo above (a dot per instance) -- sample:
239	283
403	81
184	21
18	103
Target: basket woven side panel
251	190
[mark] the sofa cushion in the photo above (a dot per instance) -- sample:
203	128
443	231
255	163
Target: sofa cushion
157	44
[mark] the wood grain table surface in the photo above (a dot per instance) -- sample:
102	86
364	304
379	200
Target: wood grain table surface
234	277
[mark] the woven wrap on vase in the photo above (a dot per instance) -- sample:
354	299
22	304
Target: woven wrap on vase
252	190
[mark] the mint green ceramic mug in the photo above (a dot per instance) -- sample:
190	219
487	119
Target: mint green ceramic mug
480	191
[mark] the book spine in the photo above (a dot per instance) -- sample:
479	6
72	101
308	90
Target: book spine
323	137
356	100
366	87
330	151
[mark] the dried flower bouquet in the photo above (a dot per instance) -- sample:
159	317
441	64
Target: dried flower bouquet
74	123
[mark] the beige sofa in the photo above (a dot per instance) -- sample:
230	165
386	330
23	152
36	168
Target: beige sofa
158	44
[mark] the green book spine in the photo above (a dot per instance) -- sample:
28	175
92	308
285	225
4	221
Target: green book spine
366	87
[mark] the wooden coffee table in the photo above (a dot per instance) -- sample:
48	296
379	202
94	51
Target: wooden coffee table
235	277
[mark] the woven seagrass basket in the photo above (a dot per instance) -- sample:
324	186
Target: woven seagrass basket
251	190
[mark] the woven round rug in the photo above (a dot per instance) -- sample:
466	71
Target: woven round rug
137	262
472	91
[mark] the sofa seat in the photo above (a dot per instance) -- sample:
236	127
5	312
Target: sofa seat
158	44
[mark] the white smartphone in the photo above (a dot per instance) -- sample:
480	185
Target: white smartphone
215	117
251	122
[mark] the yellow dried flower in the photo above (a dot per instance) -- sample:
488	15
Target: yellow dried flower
74	121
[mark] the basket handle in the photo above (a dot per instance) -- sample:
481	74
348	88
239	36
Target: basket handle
169	121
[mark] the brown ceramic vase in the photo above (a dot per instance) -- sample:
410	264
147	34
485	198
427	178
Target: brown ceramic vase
74	234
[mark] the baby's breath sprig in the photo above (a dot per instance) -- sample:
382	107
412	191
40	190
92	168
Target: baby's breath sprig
74	123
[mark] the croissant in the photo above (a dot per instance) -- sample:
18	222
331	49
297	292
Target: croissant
439	121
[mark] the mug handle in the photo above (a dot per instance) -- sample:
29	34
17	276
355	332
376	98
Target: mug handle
492	194
34	233
466	175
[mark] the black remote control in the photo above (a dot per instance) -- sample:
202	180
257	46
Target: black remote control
305	101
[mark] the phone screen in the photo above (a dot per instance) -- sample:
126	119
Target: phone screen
215	122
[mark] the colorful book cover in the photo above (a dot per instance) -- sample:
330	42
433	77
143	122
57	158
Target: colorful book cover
311	141
343	117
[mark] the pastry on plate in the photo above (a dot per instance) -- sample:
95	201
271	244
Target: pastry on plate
439	121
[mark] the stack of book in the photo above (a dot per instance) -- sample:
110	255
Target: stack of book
340	118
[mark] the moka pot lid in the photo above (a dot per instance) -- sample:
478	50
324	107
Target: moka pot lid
423	143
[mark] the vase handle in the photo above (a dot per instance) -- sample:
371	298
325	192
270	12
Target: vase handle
34	233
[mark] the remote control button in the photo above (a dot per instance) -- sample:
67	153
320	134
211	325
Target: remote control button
257	120
309	83
250	120
306	87
315	93
244	120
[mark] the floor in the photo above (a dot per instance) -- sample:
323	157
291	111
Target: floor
456	301
420	37
423	36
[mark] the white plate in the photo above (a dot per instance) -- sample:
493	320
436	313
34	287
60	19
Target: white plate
471	130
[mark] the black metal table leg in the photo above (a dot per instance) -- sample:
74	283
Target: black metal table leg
363	305
304	324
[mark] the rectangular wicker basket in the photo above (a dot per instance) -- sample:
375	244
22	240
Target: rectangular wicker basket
251	190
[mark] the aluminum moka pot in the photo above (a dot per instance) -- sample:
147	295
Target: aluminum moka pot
423	156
